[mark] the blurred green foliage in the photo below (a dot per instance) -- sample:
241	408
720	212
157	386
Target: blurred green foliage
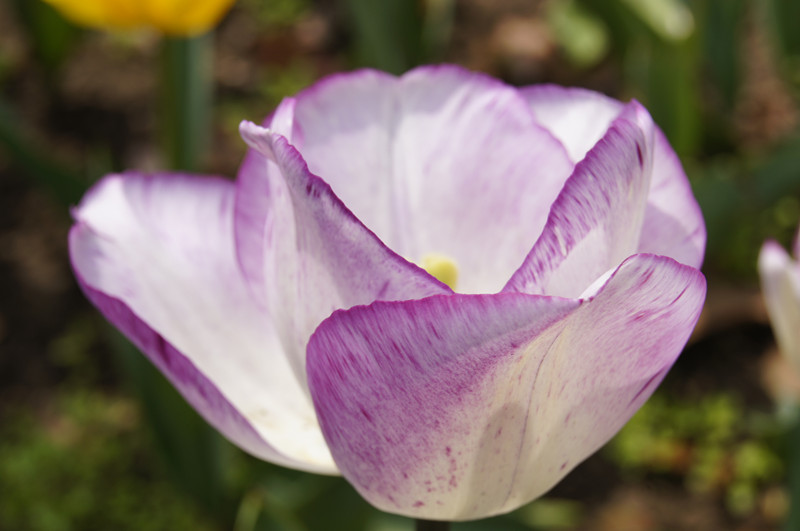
53	37
714	444
277	12
86	463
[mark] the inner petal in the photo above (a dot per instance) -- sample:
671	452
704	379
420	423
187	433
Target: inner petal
596	221
440	158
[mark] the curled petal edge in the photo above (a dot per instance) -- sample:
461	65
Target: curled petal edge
461	407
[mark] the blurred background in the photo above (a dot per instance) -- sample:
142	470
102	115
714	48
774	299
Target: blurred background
92	438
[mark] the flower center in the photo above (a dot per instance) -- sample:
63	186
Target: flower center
444	269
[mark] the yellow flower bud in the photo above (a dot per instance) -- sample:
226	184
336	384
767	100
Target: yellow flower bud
173	17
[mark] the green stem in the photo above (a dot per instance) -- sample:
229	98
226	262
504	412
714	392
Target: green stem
387	34
793	449
187	98
432	525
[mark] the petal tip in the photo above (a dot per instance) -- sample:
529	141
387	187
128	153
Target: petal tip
772	257
258	138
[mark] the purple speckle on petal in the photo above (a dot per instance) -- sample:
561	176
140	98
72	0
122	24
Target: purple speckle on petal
647	385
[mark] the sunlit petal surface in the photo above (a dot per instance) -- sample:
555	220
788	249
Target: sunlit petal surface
317	256
156	255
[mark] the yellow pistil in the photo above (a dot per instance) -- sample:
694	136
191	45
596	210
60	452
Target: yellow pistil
443	268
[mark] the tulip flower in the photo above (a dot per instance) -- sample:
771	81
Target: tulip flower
291	310
780	283
173	17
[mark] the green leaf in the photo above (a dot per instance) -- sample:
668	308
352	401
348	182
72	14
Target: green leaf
387	34
669	19
66	186
191	450
582	36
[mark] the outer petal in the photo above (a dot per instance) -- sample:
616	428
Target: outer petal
156	256
317	257
780	283
441	161
673	224
596	221
465	406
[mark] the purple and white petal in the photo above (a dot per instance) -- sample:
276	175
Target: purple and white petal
577	117
673	224
156	256
780	283
317	257
439	161
253	210
613	353
597	219
343	128
423	403
466	406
